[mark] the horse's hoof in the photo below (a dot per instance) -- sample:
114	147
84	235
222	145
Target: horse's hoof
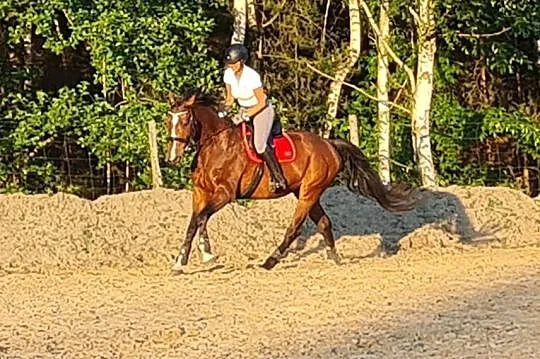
269	263
175	272
333	255
177	267
208	258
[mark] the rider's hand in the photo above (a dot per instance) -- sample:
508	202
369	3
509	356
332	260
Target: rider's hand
243	115
240	117
237	119
223	109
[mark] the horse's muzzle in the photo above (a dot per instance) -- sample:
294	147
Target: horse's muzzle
174	161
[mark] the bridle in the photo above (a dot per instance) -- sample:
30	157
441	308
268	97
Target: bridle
190	140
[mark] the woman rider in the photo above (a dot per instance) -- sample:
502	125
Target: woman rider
244	84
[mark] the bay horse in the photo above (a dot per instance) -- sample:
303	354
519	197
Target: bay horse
223	171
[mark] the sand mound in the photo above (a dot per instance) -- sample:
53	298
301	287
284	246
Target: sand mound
145	229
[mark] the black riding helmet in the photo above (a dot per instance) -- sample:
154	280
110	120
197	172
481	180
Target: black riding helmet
236	52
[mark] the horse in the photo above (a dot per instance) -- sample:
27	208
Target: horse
225	169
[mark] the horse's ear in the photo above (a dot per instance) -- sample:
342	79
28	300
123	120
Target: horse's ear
190	101
173	98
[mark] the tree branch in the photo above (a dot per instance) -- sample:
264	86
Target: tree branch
391	52
324	24
276	15
391	104
414	15
400	90
478	36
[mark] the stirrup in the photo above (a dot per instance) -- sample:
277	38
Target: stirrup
276	187
275	183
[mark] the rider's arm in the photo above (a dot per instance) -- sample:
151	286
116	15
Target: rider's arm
229	99
261	102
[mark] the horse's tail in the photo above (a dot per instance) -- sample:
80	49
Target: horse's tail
362	179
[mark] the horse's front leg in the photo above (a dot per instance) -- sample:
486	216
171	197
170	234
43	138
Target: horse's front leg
183	256
204	205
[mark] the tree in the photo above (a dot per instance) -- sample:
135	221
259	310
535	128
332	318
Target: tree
240	19
426	48
344	67
382	94
420	107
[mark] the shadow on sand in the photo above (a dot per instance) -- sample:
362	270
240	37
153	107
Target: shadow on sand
353	215
498	321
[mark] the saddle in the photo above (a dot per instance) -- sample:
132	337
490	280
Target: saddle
278	140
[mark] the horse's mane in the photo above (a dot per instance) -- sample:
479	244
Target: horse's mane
202	98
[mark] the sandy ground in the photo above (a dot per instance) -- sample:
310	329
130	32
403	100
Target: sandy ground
81	279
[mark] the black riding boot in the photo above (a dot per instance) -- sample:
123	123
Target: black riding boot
278	180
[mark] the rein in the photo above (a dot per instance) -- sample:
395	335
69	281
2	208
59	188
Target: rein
207	138
190	140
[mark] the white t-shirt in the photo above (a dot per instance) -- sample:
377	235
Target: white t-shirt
243	89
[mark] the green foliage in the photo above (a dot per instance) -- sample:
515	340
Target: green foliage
147	44
458	134
454	129
518	126
513	21
139	50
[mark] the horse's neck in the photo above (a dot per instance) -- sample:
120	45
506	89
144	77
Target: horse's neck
210	123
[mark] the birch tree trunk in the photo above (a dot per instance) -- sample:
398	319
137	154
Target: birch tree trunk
346	66
251	14
240	18
538	50
382	95
256	41
427	47
3	53
353	130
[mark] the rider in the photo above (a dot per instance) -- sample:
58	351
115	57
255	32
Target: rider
244	84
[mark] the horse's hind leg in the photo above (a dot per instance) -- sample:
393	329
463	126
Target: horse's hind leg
205	249
324	226
293	231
